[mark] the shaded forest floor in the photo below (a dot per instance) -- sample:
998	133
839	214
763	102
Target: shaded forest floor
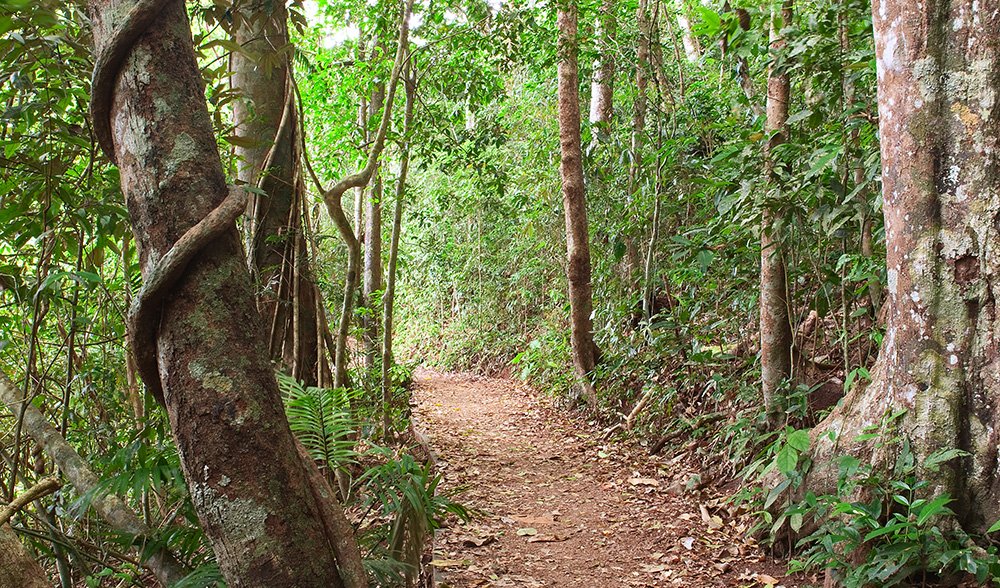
557	506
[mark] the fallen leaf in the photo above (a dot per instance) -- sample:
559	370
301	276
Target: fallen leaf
523	531
644	482
477	541
766	580
447	563
687	542
545	539
654	569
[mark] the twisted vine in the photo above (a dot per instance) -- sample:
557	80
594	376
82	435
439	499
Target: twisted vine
144	315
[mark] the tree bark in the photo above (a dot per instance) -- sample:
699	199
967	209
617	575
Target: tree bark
775	329
938	78
18	569
388	299
267	124
692	49
602	87
575	204
249	486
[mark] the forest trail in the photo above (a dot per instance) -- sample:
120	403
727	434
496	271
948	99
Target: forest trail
556	506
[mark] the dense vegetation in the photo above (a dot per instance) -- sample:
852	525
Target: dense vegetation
446	137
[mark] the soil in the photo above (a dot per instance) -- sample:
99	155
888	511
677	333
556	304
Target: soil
555	505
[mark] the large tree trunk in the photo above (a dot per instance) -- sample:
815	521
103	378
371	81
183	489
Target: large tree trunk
267	124
18	569
939	76
575	204
602	87
775	329
248	483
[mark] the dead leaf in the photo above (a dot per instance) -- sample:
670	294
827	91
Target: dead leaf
687	542
644	482
766	580
546	539
527	531
447	563
477	541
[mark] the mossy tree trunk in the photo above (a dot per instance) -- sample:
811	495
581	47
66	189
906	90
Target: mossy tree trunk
939	118
248	483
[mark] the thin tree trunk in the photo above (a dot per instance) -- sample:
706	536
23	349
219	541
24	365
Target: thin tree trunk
857	169
388	299
267	122
334	205
575	204
250	487
372	282
692	49
632	262
775	328
602	87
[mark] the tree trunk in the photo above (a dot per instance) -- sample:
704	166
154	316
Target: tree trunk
575	205
692	49
632	262
18	569
388	298
602	86
248	483
334	205
775	329
267	124
372	282
939	73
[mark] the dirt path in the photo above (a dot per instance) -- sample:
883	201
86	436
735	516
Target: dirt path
558	507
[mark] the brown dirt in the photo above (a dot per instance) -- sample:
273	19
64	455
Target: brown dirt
557	506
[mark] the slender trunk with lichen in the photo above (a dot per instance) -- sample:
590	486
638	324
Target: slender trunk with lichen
268	158
602	86
939	122
388	298
248	483
775	329
575	205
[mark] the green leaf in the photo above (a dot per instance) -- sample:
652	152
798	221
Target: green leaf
994	528
787	459
934	508
799	440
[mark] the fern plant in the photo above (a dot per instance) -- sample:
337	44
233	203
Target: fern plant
321	419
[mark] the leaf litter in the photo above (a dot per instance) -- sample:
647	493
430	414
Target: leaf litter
555	505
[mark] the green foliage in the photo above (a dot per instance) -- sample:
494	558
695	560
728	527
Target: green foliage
885	529
322	420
